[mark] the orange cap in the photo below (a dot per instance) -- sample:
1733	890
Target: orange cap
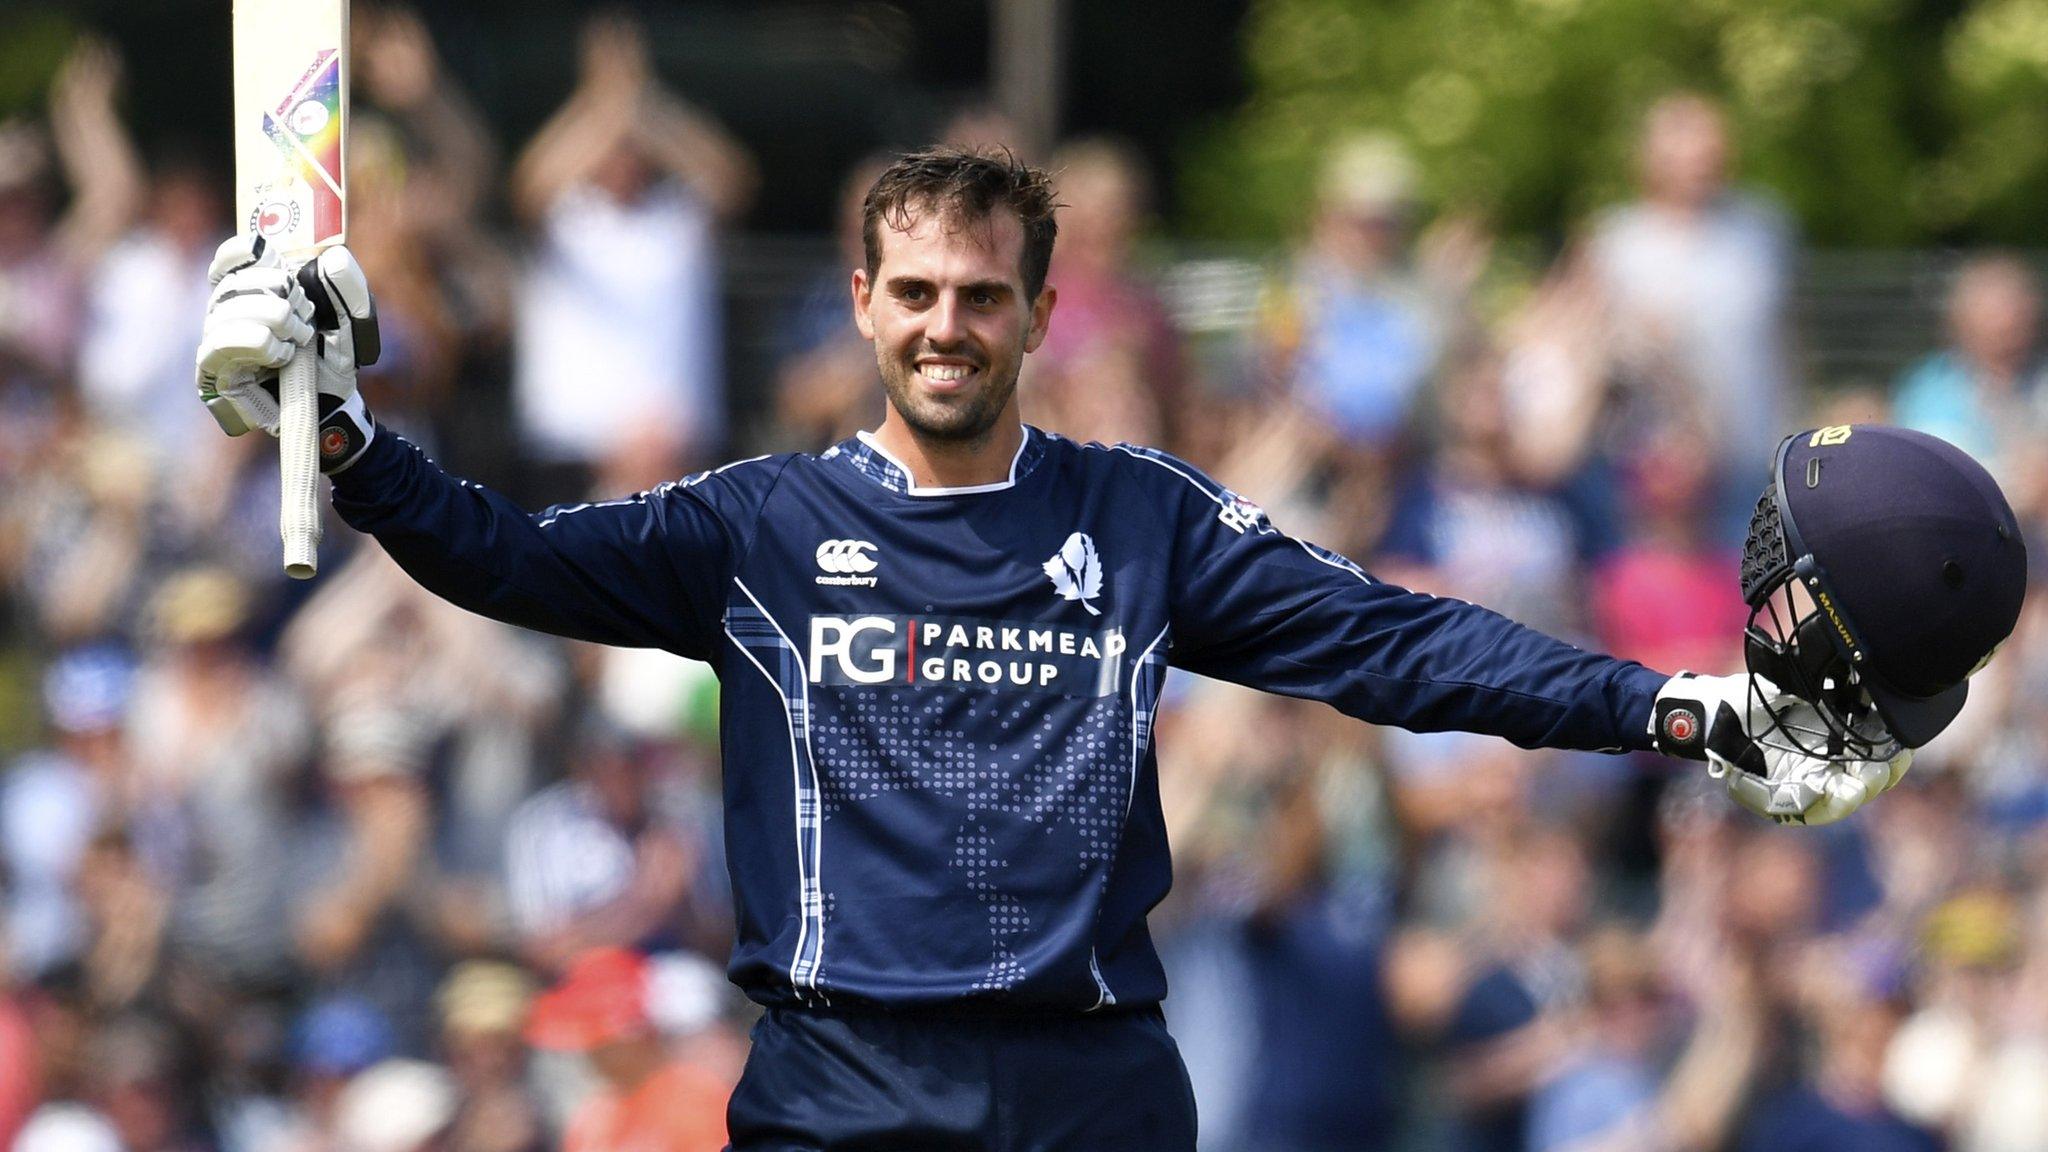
602	1000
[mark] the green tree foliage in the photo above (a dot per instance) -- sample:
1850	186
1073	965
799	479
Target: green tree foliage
1875	121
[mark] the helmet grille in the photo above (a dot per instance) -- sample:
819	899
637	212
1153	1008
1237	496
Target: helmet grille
1765	557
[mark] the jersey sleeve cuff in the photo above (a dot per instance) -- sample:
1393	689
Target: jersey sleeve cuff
373	478
1635	691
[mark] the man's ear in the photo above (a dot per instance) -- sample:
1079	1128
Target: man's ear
863	297
1041	317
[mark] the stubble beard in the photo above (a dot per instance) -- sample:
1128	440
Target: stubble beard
966	420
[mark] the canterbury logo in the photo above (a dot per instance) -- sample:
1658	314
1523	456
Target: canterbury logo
846	556
847	564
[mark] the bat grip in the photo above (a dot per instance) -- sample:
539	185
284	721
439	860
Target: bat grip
298	513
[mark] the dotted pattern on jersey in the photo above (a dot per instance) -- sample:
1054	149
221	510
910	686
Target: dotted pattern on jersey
1049	763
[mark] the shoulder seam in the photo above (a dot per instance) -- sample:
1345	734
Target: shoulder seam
1173	465
753	528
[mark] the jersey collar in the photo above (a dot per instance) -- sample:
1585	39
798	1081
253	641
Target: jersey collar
865	453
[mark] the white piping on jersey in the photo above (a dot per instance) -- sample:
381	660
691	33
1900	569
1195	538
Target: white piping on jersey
1321	555
1137	746
1103	996
808	907
1335	560
658	489
912	489
1140	717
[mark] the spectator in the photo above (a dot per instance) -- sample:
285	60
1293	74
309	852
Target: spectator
135	353
614	856
127	913
1111	368
1938	1068
1285	1001
1699	277
1467	523
20	1084
450	164
647	1099
216	737
54	802
420	160
483	1007
618	352
136	1075
1669	595
43	257
1837	1104
366	918
1354	335
1985	392
824	389
1610	1093
335	1039
481	692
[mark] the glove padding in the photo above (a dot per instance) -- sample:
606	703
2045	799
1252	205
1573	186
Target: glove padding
1715	719
259	315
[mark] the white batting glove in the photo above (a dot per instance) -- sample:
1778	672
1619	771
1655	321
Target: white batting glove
259	315
1715	719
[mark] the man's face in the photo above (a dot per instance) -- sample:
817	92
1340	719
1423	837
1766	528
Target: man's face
947	315
1685	152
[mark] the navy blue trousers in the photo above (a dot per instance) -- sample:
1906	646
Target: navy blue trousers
850	1082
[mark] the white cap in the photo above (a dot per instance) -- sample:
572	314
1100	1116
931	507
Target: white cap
396	1106
67	1128
685	992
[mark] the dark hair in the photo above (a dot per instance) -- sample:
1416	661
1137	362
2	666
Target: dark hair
965	186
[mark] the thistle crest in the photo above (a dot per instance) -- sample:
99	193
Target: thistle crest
1076	571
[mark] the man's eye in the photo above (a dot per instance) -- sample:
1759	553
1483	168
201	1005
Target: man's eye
914	295
984	299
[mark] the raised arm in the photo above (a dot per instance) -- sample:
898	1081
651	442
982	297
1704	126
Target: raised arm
98	157
684	141
402	74
596	119
645	571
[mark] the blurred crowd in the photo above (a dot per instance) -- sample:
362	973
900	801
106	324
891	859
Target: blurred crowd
339	868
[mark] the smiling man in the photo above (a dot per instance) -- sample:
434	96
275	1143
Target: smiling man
953	296
941	645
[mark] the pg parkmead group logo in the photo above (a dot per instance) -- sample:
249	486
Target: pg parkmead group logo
846	563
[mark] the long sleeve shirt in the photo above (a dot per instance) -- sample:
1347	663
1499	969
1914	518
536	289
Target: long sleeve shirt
940	783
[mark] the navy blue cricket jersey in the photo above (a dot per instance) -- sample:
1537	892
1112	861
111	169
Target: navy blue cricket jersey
940	784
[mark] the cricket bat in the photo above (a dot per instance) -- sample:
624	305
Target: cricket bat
291	188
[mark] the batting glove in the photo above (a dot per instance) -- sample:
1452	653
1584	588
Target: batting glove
260	314
1742	738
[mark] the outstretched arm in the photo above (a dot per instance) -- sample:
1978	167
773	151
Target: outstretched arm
1259	608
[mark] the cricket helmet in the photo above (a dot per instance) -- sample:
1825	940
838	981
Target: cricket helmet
1883	567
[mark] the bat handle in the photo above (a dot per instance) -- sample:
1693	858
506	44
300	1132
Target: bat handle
298	513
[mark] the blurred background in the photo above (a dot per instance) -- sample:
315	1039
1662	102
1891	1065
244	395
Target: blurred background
1507	299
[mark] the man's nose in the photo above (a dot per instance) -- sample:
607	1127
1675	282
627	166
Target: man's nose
943	323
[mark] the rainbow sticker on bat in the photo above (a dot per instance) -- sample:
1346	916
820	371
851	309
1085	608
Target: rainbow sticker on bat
306	128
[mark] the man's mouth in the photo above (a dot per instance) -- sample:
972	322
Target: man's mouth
945	376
